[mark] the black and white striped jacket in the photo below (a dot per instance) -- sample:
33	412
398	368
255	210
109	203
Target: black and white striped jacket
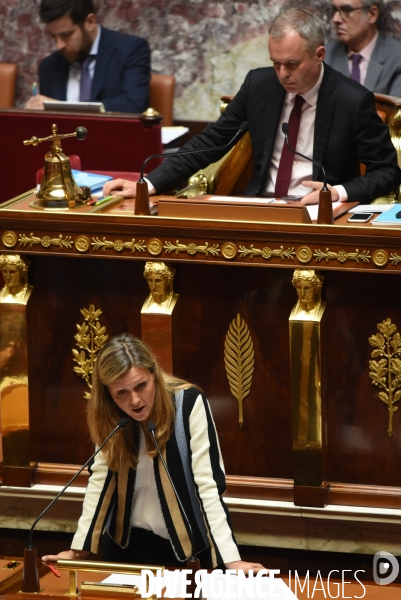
196	466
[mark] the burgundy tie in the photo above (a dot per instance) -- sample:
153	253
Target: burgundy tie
356	71
287	157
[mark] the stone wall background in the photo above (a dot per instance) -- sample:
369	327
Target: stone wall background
208	46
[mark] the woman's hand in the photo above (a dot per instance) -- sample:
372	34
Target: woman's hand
67	554
241	565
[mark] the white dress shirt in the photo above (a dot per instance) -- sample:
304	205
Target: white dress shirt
75	71
302	169
366	54
147	512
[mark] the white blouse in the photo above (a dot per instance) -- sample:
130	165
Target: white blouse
147	512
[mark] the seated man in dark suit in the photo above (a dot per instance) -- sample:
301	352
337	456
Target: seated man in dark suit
91	63
331	118
361	51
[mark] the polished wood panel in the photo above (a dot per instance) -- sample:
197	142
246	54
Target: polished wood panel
254	282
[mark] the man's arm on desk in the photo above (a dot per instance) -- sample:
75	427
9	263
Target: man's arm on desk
36	102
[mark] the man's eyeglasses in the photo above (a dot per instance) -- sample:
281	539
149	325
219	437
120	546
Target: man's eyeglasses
345	11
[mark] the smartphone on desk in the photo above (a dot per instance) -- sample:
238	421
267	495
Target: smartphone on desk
291	198
360	217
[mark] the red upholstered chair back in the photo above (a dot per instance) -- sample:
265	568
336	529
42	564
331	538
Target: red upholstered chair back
8	78
162	96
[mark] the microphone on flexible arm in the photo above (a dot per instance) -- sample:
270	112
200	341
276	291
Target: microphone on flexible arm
325	212
142	191
193	563
30	575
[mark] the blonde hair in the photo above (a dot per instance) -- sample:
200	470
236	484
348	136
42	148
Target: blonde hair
119	355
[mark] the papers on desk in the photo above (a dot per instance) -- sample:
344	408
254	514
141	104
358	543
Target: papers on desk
169	134
390	218
374	208
215	586
92	180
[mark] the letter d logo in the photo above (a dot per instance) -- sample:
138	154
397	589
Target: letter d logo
384	563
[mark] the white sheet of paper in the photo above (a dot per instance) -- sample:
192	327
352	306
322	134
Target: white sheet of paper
169	134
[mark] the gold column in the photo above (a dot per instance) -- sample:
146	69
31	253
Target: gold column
159	317
14	396
305	321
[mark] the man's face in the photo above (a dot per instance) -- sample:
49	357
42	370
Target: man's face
353	27
72	40
295	68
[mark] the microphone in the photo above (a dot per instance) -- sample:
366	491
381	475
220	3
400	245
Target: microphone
193	563
30	576
325	212
142	195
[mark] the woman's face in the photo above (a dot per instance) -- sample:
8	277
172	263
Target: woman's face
134	392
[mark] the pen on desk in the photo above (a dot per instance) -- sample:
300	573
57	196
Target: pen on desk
57	574
104	199
34	89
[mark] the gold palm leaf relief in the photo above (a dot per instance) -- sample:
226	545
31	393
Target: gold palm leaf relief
239	362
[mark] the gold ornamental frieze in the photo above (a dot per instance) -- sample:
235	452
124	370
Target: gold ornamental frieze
380	258
385	372
155	247
266	252
191	248
9	239
229	250
395	259
91	336
46	241
342	256
118	245
304	254
82	243
239	362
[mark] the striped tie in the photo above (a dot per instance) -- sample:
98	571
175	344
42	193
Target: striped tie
85	87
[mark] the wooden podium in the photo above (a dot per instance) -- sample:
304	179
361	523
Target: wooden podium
223	269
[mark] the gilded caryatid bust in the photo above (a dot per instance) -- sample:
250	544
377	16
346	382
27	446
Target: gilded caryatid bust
161	299
308	284
15	273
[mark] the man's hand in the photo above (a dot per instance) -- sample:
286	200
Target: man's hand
241	565
313	197
36	102
120	187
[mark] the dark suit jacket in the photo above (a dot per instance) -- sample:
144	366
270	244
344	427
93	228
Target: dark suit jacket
121	78
348	131
384	70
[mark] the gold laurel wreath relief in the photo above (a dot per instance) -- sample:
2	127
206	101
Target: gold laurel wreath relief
91	336
239	362
386	372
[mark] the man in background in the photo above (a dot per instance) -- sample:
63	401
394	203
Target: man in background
91	63
330	118
361	51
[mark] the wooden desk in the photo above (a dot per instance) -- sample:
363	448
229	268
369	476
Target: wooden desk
222	269
118	142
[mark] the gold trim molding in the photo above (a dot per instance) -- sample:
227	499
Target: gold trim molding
155	247
229	250
380	258
342	256
82	243
266	252
45	241
385	372
191	248
118	245
9	239
239	362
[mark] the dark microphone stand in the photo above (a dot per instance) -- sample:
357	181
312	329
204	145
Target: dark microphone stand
325	212
193	563
142	191
30	574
